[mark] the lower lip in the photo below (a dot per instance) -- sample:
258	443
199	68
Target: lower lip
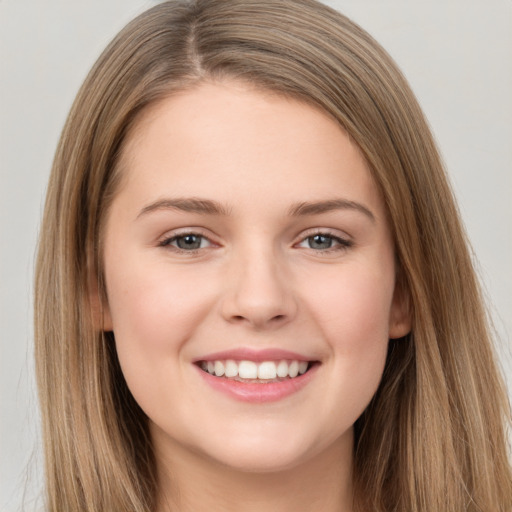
255	392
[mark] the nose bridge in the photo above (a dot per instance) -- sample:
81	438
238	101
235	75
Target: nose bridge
258	291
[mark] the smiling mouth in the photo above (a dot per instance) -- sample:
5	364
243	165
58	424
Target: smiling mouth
256	372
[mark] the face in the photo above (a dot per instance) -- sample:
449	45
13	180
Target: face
250	278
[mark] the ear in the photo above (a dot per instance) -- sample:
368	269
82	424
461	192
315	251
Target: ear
400	316
100	311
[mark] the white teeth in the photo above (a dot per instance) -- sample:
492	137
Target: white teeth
266	370
293	369
219	368
282	369
231	368
247	370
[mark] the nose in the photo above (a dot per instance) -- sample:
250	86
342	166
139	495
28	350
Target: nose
258	292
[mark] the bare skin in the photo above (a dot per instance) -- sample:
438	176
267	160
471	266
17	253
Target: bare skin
247	221
199	485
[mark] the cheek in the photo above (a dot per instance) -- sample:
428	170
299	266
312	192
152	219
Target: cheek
353	306
352	312
151	298
154	313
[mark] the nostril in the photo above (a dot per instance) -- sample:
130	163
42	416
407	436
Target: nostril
272	319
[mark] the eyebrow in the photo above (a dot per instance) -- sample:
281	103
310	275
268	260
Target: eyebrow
210	207
319	207
187	204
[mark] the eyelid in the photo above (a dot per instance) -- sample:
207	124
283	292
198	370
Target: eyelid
165	240
344	240
335	233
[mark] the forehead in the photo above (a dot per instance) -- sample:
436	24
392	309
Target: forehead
231	139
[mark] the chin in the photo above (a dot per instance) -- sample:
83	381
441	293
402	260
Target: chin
262	454
260	461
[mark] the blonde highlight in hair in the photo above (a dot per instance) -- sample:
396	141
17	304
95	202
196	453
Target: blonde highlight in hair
434	435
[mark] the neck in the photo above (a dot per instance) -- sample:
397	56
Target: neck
191	482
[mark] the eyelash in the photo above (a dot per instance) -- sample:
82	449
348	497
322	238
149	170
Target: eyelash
167	242
341	244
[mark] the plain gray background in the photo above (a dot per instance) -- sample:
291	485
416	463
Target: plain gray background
457	55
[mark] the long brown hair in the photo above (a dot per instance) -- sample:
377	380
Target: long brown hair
434	435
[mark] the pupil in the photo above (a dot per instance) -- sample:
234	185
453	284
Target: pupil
320	242
189	242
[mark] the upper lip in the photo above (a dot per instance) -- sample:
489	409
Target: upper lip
250	354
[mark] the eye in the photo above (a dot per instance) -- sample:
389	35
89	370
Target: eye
324	242
186	242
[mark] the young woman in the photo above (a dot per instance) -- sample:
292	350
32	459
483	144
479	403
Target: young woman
253	289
